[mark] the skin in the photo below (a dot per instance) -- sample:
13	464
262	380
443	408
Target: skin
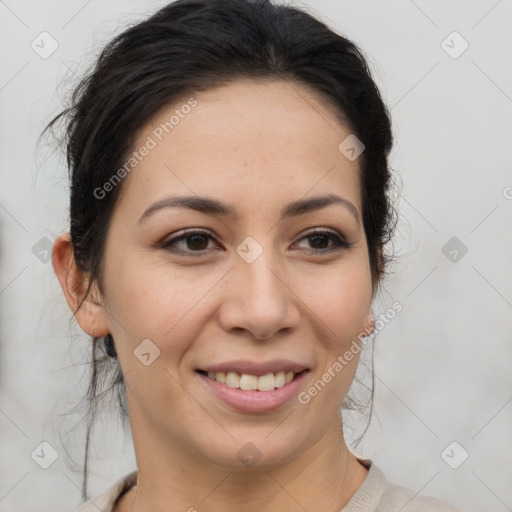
256	145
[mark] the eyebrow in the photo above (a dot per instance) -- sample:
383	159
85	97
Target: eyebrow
213	206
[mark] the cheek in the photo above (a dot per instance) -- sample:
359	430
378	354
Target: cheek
147	300
340	298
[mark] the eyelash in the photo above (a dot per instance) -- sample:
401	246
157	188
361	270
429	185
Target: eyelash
340	243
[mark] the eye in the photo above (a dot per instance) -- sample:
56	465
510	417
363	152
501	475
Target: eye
319	241
195	242
189	242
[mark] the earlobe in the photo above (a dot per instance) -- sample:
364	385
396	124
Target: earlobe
74	283
369	326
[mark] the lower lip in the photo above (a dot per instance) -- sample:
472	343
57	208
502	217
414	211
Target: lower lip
255	401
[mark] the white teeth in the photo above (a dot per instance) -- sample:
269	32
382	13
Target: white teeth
248	382
267	382
220	376
281	379
232	380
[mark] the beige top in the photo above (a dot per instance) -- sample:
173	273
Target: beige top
375	494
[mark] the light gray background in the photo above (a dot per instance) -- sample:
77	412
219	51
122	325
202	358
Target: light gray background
443	364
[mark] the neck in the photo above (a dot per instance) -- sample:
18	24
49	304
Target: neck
323	478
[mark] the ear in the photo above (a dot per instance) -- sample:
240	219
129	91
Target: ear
73	281
369	325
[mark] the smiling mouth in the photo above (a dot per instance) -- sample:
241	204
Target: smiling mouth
247	382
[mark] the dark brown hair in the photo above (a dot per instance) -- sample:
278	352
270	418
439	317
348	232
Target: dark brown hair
195	45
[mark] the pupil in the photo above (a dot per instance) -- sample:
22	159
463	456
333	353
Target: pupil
196	242
316	238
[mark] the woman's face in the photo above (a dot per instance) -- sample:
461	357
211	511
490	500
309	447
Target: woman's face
251	291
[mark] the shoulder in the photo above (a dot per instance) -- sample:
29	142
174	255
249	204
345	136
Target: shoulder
104	502
409	501
377	494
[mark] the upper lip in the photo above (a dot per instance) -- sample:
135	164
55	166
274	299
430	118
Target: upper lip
256	368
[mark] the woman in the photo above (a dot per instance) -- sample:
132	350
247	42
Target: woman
229	213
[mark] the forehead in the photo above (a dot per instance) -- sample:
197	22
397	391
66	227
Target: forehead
266	138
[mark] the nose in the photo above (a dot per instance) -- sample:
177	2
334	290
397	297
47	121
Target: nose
259	299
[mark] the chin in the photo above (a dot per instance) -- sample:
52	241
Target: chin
261	449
